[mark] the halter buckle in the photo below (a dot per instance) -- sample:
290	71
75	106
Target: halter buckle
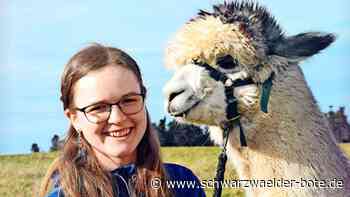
228	82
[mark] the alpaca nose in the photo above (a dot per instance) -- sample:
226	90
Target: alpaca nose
174	94
170	108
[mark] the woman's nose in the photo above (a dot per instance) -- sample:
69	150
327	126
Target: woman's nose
116	115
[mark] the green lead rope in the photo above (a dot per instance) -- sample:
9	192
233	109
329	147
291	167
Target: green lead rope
265	95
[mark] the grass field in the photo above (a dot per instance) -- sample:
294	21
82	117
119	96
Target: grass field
20	175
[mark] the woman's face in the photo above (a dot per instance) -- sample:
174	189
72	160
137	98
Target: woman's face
119	135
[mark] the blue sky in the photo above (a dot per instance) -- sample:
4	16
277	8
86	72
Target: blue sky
38	37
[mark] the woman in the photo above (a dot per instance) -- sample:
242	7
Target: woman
111	148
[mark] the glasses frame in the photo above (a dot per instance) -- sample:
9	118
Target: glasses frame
110	108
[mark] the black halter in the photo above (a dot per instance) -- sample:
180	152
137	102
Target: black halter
232	115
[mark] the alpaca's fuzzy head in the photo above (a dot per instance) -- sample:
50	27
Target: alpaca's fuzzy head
240	39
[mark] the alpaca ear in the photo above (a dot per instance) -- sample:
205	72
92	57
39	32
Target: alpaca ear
302	46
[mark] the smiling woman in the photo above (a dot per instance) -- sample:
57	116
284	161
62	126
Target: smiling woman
111	148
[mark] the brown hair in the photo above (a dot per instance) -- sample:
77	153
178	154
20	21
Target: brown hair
96	181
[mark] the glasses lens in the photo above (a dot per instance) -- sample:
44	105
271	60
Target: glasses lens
97	113
131	104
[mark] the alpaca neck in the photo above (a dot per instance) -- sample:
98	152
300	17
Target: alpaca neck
292	141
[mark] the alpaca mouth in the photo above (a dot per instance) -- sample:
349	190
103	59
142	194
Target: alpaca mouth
184	112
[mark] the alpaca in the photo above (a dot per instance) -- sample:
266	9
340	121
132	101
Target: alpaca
289	141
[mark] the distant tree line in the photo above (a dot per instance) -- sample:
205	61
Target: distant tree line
55	140
56	144
177	134
338	121
35	148
170	134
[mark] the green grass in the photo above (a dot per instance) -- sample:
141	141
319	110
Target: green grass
20	175
346	148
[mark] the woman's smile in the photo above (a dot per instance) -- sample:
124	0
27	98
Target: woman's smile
119	133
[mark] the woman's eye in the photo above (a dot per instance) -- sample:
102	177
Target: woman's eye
227	62
129	101
97	108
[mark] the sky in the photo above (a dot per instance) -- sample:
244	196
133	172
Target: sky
38	37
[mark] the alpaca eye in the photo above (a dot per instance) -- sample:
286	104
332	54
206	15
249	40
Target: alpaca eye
227	62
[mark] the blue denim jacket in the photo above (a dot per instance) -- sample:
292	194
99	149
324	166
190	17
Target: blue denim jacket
181	181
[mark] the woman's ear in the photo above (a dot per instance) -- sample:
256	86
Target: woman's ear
71	115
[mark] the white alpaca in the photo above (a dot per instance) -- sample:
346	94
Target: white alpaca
292	141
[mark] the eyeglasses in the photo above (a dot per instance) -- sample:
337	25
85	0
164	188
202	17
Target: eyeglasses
100	112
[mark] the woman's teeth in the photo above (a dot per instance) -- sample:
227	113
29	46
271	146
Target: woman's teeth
120	133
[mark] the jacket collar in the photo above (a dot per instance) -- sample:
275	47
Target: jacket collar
126	171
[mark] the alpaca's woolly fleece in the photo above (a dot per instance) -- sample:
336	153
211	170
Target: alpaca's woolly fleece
205	40
293	141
